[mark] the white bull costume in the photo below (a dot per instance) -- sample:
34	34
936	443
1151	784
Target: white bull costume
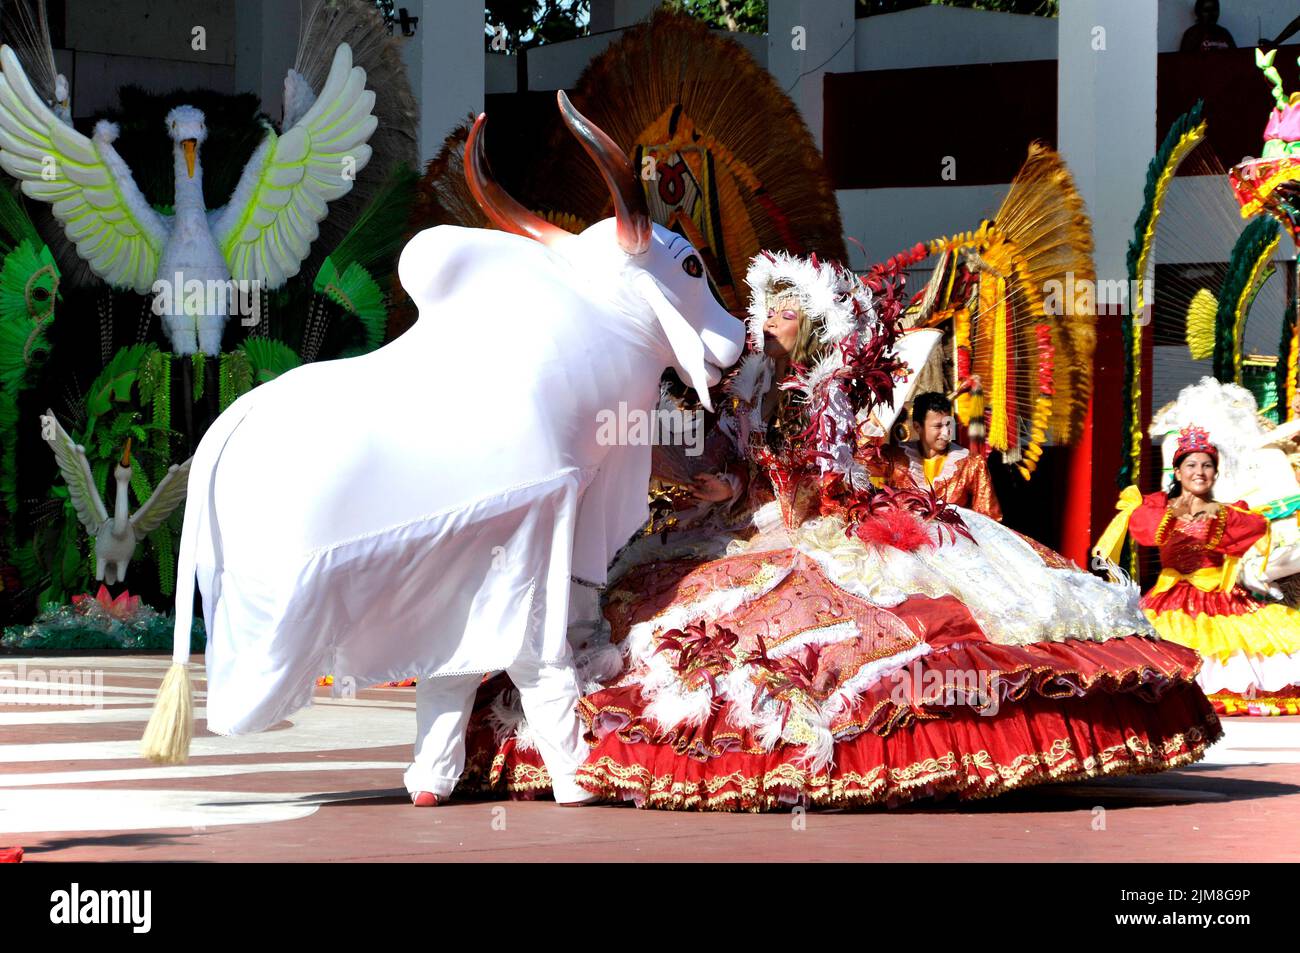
418	511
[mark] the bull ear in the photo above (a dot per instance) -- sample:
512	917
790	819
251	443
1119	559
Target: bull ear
682	338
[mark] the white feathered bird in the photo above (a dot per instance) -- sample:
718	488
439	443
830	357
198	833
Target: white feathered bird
262	235
117	536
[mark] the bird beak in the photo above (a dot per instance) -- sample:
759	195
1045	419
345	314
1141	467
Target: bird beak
126	454
189	145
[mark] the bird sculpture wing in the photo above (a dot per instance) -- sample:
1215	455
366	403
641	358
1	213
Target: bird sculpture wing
267	229
71	458
93	195
166	496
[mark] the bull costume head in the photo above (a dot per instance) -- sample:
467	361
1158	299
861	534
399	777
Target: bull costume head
648	265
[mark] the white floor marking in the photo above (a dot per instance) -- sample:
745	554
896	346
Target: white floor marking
84	716
176	772
1257	741
123	810
318	728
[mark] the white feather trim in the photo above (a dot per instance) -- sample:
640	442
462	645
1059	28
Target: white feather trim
752	379
833	298
106	131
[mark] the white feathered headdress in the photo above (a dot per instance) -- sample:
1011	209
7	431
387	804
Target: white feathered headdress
832	297
1229	414
835	303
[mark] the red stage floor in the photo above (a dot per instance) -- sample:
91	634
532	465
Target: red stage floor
328	787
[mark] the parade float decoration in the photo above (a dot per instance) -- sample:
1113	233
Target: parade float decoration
1015	297
1270	185
724	158
1186	133
100	621
115	537
1216	325
142	384
1179	317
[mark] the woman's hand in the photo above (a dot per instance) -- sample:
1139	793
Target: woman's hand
1181	506
711	488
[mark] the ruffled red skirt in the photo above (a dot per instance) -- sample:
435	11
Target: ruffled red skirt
1062	711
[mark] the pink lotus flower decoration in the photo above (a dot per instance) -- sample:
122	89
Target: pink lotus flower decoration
123	608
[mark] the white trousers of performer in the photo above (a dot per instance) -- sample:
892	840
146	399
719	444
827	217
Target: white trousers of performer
549	695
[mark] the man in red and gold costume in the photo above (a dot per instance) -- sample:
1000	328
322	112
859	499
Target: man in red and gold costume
933	460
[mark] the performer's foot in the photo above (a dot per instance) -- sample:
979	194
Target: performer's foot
589	799
424	799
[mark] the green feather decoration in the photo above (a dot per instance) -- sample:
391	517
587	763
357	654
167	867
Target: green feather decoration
269	358
161	371
1181	127
114	382
356	293
1285	357
234	378
9	453
165	549
379	233
1258	239
99	470
197	361
15	224
140	483
29	284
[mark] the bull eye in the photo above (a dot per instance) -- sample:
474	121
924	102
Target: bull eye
693	267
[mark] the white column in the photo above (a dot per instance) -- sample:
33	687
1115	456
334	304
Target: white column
1106	116
446	62
266	42
807	39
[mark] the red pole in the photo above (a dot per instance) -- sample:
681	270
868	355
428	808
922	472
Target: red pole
1094	459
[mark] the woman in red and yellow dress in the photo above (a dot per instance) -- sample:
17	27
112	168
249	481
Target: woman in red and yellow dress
1250	647
853	644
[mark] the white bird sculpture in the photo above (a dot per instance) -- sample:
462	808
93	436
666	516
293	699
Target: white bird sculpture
117	536
259	238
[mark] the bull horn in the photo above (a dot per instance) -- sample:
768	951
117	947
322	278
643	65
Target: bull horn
629	201
503	211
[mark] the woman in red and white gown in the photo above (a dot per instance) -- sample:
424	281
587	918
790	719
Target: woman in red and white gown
817	638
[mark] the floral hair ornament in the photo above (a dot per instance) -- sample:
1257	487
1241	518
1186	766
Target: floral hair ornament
1194	439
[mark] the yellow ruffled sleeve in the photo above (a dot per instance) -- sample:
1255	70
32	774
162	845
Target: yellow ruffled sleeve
1112	540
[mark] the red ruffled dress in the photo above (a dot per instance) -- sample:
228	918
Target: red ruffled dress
808	665
1251	647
